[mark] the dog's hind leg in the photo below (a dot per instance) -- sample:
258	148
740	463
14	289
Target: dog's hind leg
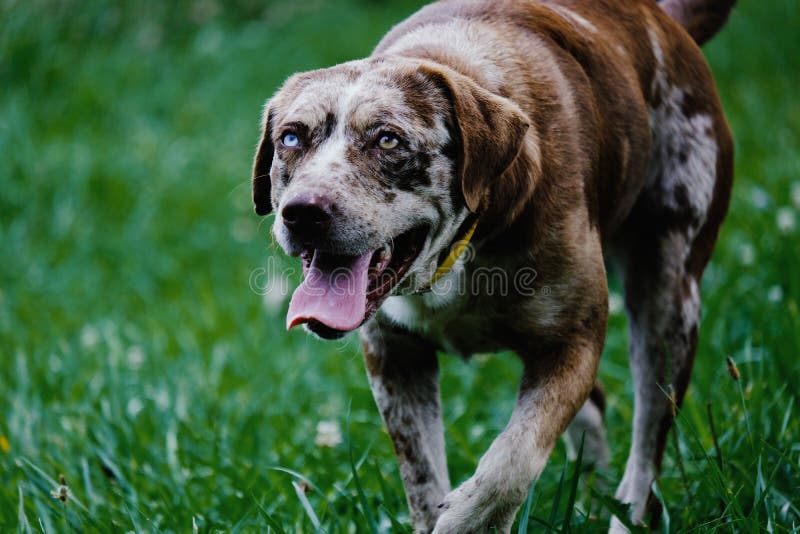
672	231
403	373
663	305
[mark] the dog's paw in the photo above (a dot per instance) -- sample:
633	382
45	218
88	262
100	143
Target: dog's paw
459	510
467	509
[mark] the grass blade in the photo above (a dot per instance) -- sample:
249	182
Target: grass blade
311	485
271	521
373	527
665	521
301	494
576	475
713	429
386	497
24	524
526	511
557	499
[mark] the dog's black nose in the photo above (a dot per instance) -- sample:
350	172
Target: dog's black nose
307	216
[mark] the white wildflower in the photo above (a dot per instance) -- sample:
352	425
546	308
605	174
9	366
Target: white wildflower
90	337
133	407
785	220
66	424
328	434
135	357
796	195
759	197
161	398
55	363
181	404
747	254
476	431
775	294
615	303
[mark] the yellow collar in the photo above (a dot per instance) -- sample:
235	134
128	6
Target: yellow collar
456	250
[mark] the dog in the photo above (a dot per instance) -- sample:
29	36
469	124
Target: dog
484	140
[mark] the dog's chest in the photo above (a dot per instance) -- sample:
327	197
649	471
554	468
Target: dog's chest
448	315
454	327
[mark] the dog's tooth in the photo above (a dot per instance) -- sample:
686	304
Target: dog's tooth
383	258
384	254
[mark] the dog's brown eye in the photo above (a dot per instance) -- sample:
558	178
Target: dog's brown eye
388	142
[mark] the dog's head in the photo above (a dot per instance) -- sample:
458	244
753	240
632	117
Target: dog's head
371	168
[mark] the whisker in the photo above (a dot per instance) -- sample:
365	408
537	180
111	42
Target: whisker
246	183
263	220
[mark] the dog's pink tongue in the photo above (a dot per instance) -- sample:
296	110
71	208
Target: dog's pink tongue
333	293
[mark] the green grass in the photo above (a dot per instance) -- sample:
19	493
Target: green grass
136	360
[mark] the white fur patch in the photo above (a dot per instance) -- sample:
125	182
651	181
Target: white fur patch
683	164
690	306
433	312
474	41
573	17
330	153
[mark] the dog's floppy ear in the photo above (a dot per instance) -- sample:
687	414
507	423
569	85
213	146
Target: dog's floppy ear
491	129
262	187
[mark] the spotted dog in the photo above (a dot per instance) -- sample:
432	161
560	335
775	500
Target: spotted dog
555	137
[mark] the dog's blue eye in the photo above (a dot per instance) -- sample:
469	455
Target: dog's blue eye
290	140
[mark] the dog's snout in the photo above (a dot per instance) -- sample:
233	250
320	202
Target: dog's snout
307	216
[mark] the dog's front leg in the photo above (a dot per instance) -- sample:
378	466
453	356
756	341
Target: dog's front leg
554	385
404	376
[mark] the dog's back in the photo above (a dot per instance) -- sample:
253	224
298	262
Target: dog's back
613	63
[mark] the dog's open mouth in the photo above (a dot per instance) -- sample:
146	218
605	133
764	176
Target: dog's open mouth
339	293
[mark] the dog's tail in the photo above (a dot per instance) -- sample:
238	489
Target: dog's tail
702	19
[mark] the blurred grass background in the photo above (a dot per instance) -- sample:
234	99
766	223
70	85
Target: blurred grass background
136	360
